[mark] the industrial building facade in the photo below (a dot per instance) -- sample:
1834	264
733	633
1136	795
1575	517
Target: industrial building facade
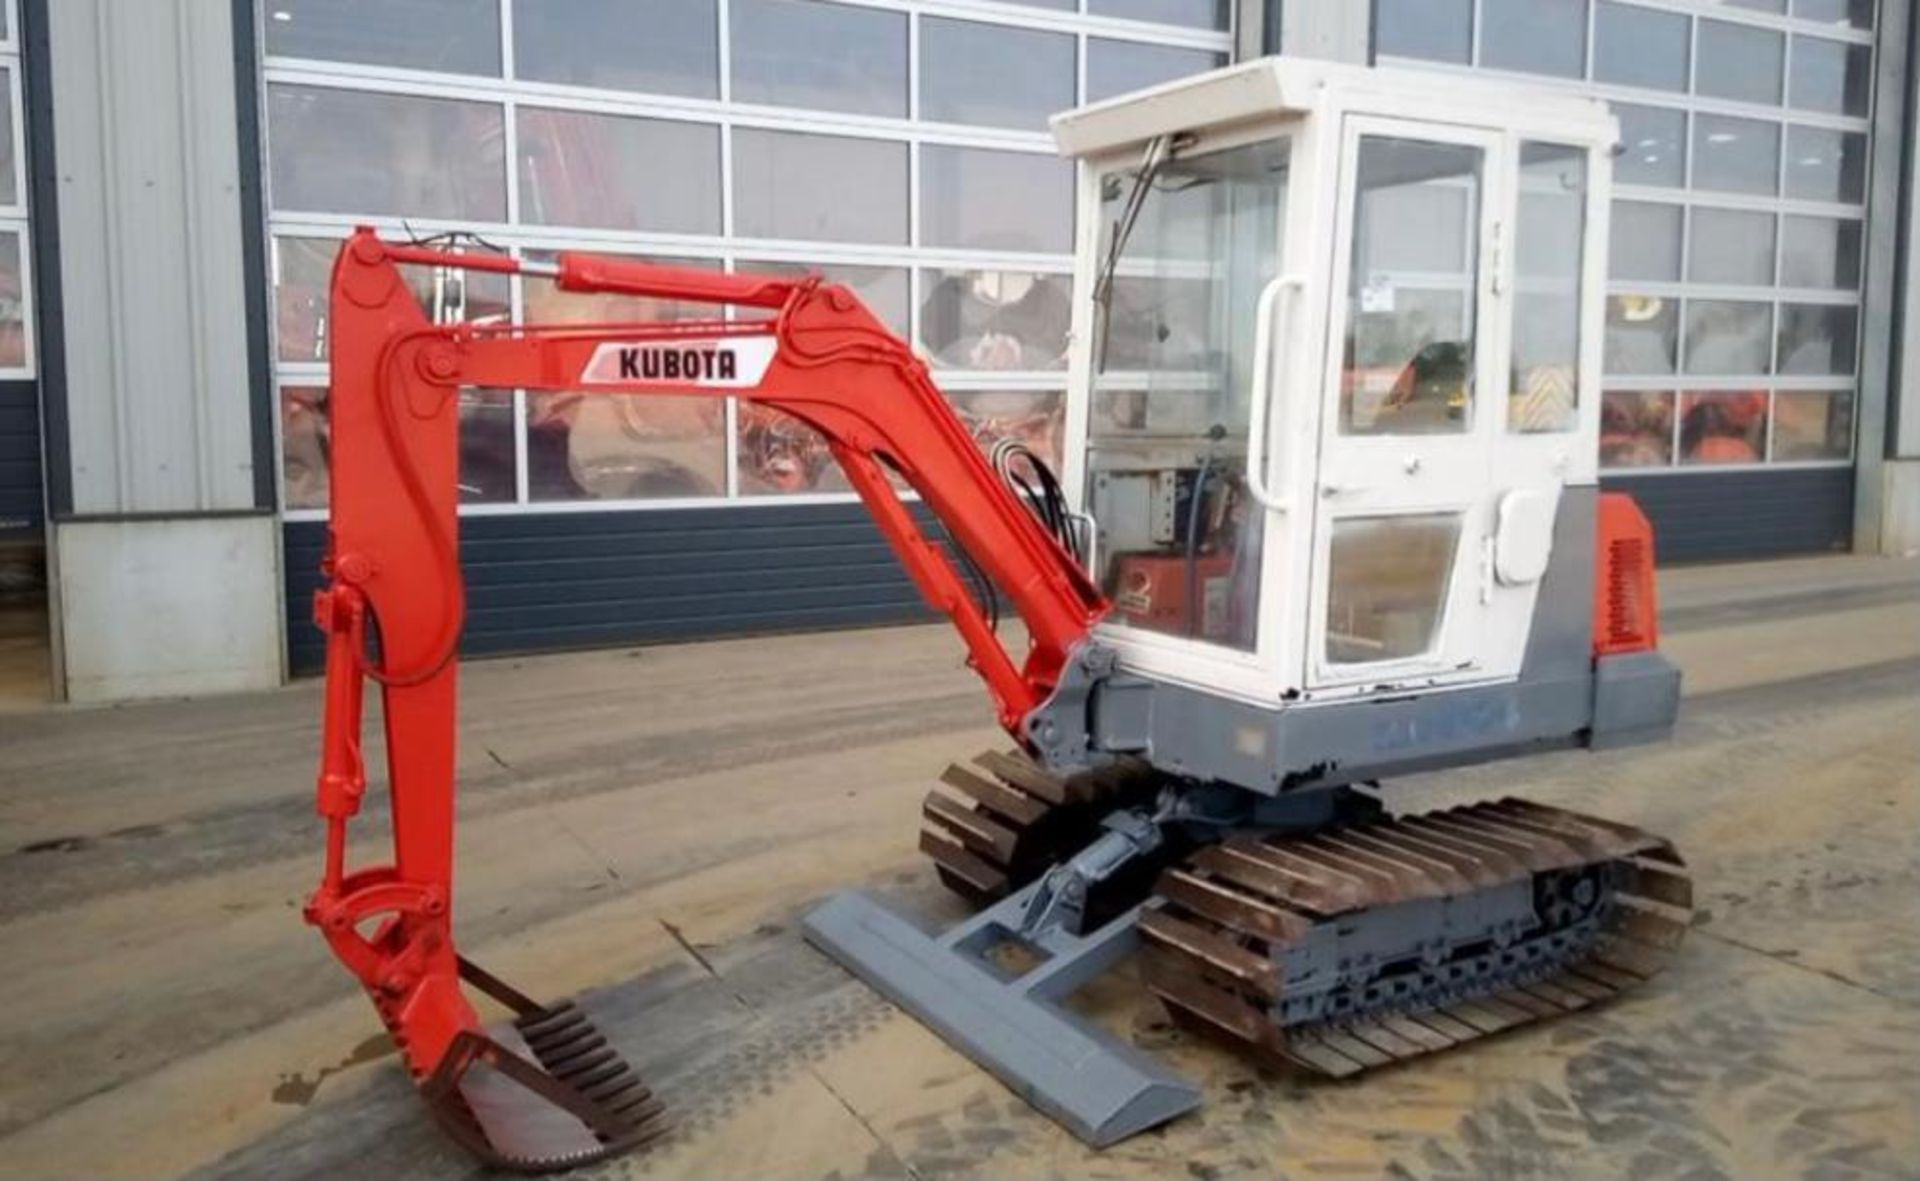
179	173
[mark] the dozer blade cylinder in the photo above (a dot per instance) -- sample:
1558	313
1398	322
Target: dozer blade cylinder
1100	1088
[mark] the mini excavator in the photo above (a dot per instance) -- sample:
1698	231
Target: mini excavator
1328	513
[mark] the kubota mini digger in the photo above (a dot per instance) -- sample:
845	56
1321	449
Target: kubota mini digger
1328	514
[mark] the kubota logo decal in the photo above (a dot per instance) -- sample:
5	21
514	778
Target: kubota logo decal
735	363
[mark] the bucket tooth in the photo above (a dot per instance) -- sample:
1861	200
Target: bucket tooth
542	1094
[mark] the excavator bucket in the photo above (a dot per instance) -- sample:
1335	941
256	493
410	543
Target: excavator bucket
541	1094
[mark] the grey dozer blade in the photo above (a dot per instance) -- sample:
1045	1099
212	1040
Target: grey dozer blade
1016	1027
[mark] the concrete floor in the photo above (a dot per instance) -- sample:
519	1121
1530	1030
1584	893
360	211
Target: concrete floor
644	827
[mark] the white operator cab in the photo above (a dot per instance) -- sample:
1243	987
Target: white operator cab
1340	364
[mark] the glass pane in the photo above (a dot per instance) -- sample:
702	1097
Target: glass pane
9	187
1179	537
1812	425
1635	46
1057	5
1534	36
882	289
1387	585
831	57
13	305
1548	250
303	272
1753	5
1723	426
1818	338
1121	67
1006	320
789	184
1740	62
349	151
619	447
1825	165
488	473
1730	246
452	36
1855	13
1037	418
1735	155
1831	76
1644	242
653	46
1643	334
1653	146
1409	361
978	199
1202	14
1820	252
1636	428
603	171
1729	336
993	74
1438	30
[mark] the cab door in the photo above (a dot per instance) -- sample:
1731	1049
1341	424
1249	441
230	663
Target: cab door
1403	505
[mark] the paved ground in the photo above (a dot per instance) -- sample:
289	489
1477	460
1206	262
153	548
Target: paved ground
644	827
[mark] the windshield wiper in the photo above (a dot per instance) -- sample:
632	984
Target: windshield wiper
1158	150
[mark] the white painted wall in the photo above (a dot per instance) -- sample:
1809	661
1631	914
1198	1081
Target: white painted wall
167	608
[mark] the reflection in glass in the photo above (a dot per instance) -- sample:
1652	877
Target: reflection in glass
1643	334
1723	426
579	169
1199	14
1634	46
352	151
882	289
13	305
1036	418
1437	30
1644	241
9	186
1121	67
1653	146
650	46
447	36
1547	254
488	474
1735	155
1730	246
1820	252
993	74
1179	537
825	188
303	272
995	319
1410	342
1729	336
1826	165
830	57
1818	338
1739	62
1812	425
1831	76
617	447
980	199
1534	36
1856	14
1636	428
1387	586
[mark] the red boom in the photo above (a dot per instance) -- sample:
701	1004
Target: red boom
393	561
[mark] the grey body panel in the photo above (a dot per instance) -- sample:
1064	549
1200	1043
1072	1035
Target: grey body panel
1563	697
1096	1085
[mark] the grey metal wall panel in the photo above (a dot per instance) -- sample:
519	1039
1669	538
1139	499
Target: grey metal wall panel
1753	514
578	580
158	405
20	491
